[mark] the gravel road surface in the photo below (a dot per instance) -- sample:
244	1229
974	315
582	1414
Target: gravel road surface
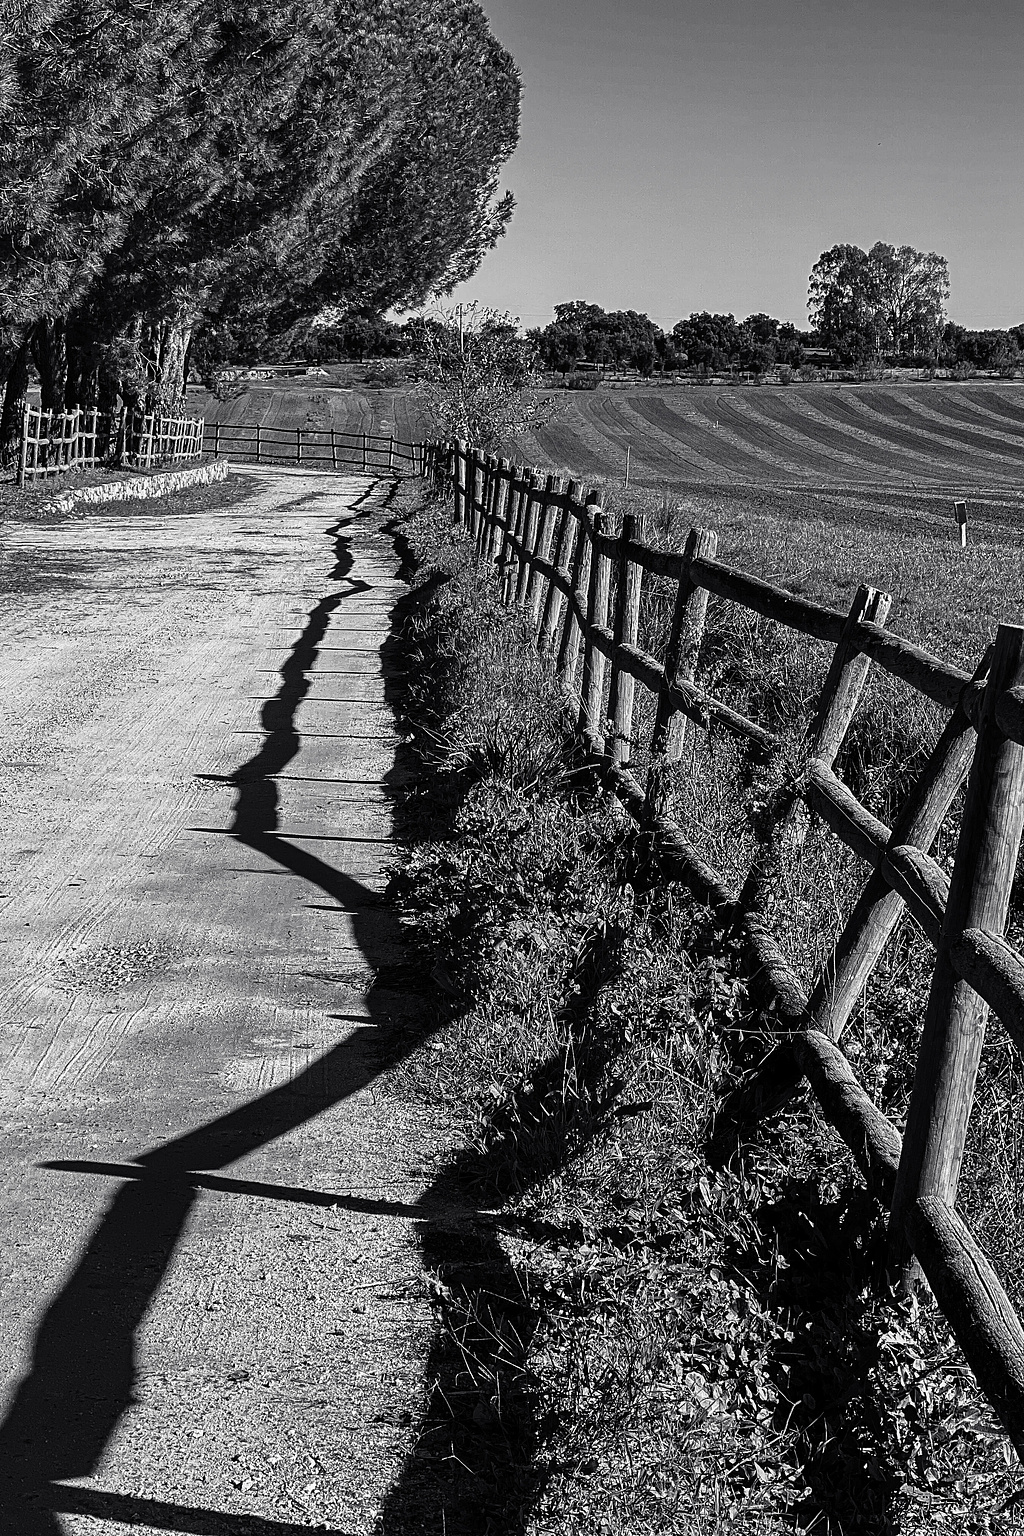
214	1314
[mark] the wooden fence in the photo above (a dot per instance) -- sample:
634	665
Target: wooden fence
53	442
317	447
553	550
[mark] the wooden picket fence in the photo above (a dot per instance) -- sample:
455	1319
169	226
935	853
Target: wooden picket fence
53	442
553	550
315	447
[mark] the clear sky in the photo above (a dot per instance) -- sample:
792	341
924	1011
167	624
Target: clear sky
680	155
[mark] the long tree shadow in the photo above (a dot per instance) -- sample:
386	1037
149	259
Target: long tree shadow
83	1369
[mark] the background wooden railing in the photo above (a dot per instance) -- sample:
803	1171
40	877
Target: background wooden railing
317	447
55	441
553	550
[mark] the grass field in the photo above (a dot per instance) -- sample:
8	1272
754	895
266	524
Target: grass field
870	454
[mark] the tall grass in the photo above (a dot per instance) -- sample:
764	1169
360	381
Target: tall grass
707	1349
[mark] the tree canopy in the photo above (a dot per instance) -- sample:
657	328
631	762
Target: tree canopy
890	299
175	164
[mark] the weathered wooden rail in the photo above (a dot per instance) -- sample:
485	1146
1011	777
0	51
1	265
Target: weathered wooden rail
552	548
316	447
53	442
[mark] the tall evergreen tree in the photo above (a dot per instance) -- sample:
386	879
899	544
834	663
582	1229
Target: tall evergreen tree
171	162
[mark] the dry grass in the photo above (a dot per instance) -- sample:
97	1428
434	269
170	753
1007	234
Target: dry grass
703	1350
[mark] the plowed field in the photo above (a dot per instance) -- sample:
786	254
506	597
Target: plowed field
924	436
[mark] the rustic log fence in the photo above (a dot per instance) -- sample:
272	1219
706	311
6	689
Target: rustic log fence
553	550
316	447
53	442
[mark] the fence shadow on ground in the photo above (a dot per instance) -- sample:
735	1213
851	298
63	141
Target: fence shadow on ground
83	1372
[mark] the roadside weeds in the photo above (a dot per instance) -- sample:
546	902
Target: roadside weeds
657	1345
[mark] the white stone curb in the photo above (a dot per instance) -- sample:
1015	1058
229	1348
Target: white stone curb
142	488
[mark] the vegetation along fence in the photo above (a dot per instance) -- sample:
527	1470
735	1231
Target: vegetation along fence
55	441
553	551
317	447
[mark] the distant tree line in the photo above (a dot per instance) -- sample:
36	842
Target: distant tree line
585	333
184	180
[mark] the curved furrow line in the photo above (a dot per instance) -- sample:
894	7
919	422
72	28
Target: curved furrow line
564	445
777	436
917	417
852	440
825	456
971	413
722	448
610	417
846	412
889	425
1005	401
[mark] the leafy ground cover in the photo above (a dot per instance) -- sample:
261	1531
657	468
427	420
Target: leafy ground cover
675	1345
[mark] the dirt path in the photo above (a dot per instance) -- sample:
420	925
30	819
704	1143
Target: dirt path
214	1313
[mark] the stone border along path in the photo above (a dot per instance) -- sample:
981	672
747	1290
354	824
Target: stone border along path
215	1316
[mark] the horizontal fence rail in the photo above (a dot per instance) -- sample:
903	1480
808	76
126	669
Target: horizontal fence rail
317	447
580	581
53	442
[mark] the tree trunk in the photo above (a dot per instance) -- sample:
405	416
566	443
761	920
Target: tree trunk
15	395
50	349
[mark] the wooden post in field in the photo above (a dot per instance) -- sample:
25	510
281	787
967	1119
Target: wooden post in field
364	453
560	558
579	581
592	688
979	894
391	453
960	512
688	619
258	443
626	630
216	439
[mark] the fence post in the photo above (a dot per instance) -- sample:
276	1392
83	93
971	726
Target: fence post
461	452
499	513
391	453
627	628
487	488
979	894
298	445
579	581
216	439
878	908
527	535
512	531
364	453
837	703
542	545
592	688
23	453
259	445
685	636
560	558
